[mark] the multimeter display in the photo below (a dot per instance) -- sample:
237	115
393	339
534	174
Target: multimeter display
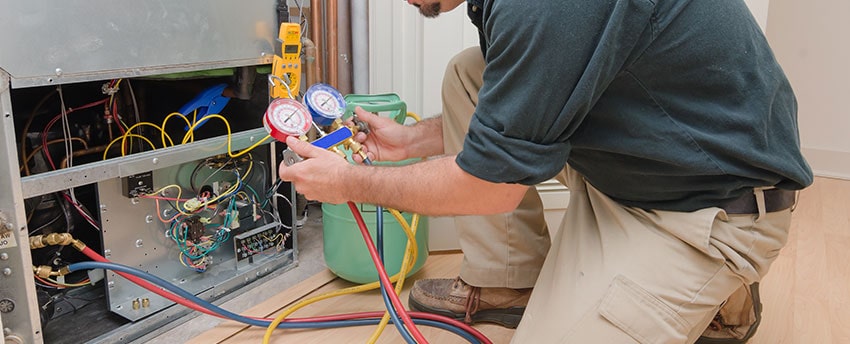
287	67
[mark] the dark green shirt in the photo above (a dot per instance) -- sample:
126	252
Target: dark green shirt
674	105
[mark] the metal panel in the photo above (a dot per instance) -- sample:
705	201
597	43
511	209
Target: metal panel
133	236
16	286
53	42
64	179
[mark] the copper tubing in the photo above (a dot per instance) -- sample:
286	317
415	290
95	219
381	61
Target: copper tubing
311	67
331	18
93	150
316	36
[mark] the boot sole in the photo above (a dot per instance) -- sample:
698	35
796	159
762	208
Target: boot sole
507	317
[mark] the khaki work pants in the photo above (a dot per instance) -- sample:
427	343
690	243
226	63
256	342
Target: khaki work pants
614	274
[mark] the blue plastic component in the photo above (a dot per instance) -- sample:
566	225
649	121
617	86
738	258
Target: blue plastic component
210	101
333	138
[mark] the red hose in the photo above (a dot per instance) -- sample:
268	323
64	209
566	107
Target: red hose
385	279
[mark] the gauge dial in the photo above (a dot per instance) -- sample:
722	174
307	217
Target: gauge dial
325	103
286	117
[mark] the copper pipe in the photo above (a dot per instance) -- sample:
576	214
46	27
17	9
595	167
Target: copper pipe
316	36
331	18
93	150
344	46
311	68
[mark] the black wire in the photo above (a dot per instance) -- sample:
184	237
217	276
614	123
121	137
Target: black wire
194	174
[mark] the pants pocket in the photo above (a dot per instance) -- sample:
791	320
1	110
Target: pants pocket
641	315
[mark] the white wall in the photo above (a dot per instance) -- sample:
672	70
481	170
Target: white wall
759	8
810	40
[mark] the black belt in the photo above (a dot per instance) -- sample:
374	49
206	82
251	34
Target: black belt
774	200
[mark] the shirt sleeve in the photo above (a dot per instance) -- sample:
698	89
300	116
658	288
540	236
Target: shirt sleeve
547	64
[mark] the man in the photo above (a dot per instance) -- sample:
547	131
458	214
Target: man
670	122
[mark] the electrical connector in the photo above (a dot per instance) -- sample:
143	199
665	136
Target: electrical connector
193	204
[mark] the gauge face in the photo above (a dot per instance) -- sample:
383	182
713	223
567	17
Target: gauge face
286	117
325	103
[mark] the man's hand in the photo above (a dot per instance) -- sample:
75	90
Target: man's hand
320	176
386	141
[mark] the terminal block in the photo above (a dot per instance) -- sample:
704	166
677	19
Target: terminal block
262	240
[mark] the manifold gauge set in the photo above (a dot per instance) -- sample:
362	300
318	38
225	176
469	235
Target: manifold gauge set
322	106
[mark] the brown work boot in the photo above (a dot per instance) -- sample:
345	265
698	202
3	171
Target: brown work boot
456	299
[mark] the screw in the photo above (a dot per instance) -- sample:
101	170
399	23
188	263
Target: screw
107	253
139	242
155	161
9	225
103	208
7	272
58	71
4	256
134	200
149	218
111	284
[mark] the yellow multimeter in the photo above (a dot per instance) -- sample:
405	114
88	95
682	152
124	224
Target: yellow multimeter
287	67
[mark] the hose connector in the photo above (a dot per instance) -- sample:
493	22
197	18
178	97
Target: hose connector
44	271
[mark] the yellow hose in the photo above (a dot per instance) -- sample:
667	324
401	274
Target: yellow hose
410	251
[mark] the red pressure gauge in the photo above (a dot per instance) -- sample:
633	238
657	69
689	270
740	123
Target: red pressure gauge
286	117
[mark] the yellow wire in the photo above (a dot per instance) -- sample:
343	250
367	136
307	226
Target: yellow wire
250	166
187	137
411	248
106	151
405	268
127	133
165	121
176	203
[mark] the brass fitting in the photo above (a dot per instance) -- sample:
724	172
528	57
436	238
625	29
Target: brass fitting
35	242
355	147
64	271
337	151
146	302
78	245
63	239
51	239
44	271
137	304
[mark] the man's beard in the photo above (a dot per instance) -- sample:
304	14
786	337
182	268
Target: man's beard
430	10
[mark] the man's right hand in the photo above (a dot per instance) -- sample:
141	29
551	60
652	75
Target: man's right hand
386	140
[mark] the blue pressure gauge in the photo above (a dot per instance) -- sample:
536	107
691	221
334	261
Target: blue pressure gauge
325	103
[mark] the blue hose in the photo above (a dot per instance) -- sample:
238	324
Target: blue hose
249	321
379	238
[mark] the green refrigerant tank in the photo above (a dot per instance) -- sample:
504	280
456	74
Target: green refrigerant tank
345	251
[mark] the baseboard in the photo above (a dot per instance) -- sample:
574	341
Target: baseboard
828	163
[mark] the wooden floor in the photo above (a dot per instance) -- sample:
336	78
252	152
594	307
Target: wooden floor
806	295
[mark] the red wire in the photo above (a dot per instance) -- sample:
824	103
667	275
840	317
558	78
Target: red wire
382	274
53	121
